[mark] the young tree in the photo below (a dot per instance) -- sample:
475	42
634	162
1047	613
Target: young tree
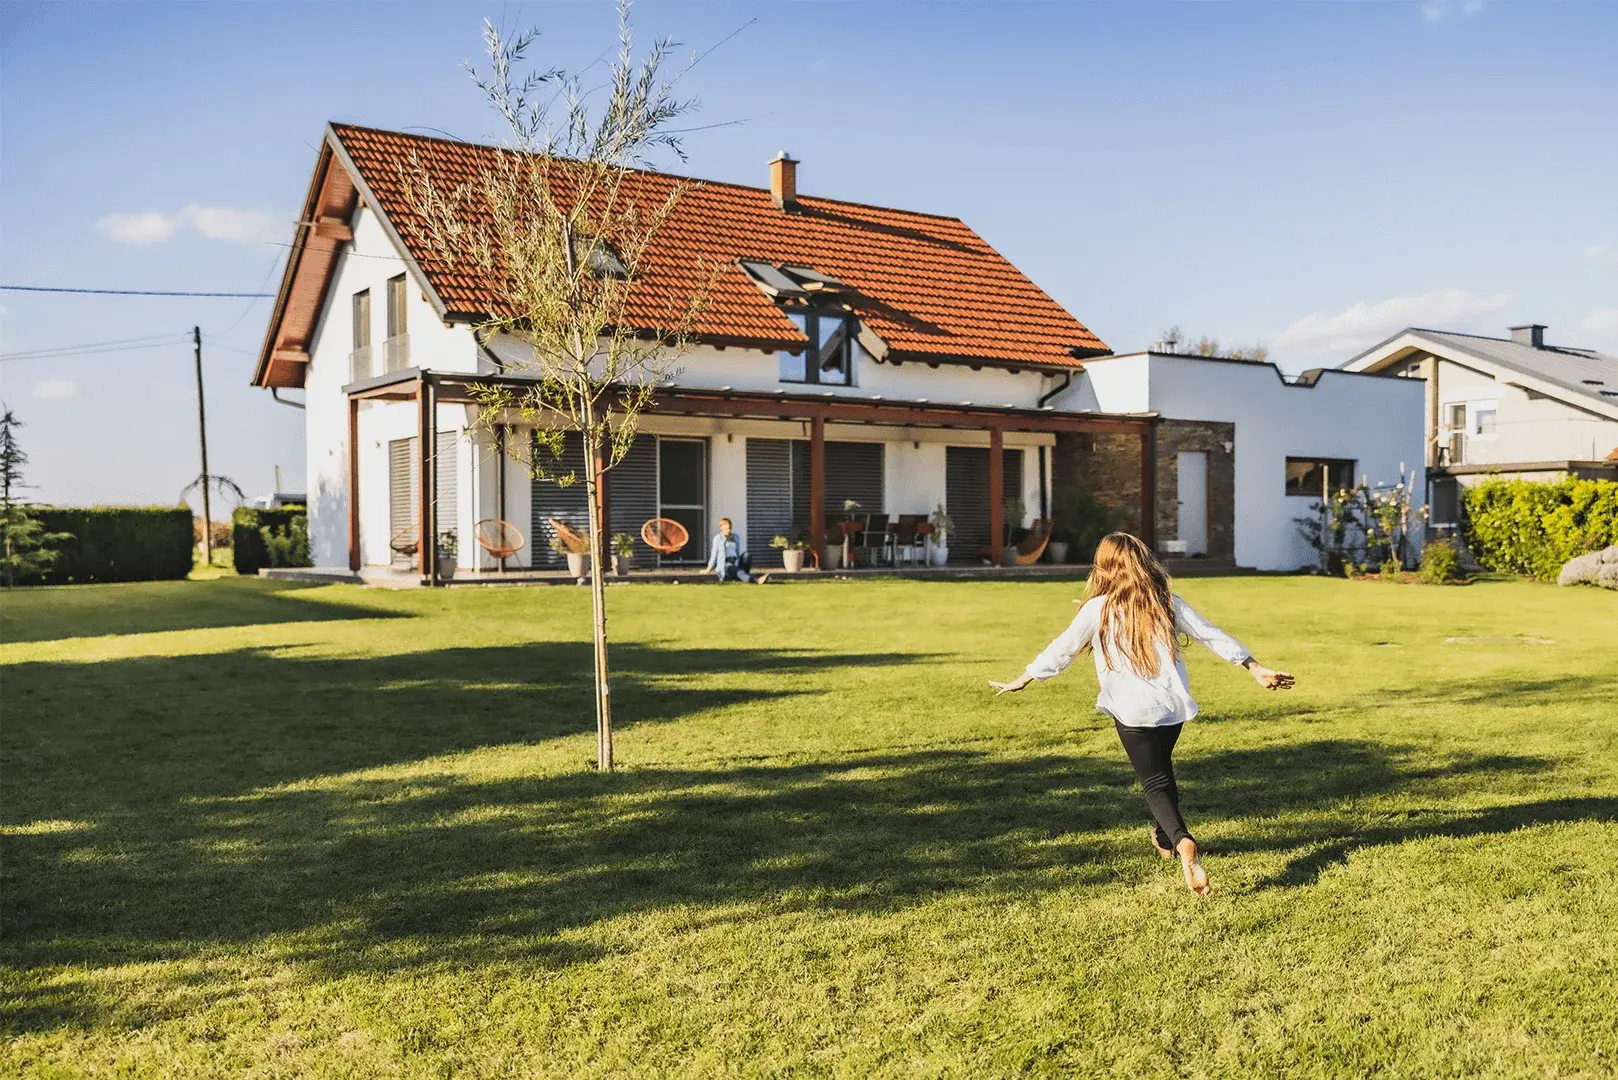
560	226
25	546
12	458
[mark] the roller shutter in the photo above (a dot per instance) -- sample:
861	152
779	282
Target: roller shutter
966	495
402	458
447	481
770	504
569	505
632	494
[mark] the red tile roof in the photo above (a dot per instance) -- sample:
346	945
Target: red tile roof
928	286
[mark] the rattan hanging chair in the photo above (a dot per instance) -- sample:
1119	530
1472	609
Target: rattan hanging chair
576	542
664	535
1033	545
406	542
501	539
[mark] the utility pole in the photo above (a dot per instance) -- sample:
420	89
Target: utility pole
202	431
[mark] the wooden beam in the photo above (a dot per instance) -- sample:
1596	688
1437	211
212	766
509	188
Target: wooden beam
1148	486
817	488
997	496
354	485
333	228
290	356
603	545
763	407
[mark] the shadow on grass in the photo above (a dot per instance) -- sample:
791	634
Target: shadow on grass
177	843
51	613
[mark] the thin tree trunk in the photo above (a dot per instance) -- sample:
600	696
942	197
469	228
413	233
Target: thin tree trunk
598	598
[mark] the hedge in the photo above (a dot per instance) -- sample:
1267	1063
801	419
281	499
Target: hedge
1533	527
119	543
247	543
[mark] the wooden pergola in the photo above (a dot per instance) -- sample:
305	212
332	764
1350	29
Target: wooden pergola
429	389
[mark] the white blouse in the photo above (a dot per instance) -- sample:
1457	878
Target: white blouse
1129	698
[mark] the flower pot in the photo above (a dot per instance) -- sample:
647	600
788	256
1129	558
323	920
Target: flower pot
940	554
622	564
834	558
575	563
792	561
446	565
1057	550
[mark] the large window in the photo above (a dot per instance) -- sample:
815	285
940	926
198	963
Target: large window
360	358
829	359
396	348
1318	477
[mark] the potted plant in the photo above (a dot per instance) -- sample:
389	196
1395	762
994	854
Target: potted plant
942	525
1057	548
449	544
791	553
623	553
575	558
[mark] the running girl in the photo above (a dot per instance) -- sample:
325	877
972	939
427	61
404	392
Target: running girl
1130	618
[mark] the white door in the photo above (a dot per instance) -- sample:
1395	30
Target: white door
1192	467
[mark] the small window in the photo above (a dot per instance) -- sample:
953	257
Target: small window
362	319
396	306
1483	421
1457	417
1316	477
829	358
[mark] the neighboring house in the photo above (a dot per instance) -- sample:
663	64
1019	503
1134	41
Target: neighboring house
1244	452
1515	407
848	352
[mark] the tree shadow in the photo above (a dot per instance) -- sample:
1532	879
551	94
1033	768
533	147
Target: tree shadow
372	873
52	613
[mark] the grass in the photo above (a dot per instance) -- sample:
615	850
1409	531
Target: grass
252	829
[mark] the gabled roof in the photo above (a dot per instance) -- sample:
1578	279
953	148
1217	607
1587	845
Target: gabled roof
927	286
1580	377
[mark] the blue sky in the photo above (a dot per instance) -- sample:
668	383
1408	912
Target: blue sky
1309	175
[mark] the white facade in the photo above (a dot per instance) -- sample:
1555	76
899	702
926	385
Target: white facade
914	471
1372	421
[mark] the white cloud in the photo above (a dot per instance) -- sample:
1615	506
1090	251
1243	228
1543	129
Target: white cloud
1366	324
1606	253
56	390
137	228
214	222
1435	11
1600	329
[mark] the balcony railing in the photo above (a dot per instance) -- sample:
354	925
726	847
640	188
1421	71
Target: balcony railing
396	353
359	364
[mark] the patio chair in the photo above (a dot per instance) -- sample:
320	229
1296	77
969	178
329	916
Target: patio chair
875	538
501	539
1032	546
405	542
909	543
571	538
664	535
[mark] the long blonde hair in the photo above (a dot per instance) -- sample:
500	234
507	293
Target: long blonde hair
1138	612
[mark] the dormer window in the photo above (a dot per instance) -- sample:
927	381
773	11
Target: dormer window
829	359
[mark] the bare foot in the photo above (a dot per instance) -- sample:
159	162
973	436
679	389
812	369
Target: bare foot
1165	853
762	578
1196	878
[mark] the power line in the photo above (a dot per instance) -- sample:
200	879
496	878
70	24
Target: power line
88	345
131	292
72	354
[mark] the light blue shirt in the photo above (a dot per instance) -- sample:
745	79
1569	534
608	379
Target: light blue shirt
723	549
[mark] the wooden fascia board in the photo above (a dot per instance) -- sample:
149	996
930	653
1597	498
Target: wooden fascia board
375	206
311	202
898	415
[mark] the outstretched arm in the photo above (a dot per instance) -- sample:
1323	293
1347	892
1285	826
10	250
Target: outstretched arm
1187	621
1059	653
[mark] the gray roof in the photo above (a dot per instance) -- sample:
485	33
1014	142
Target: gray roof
1567	368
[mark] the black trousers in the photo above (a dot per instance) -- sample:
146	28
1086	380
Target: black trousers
1151	752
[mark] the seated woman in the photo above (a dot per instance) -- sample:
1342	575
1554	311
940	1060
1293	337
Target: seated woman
727	558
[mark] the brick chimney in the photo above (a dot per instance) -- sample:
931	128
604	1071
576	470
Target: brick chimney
784	181
1530	334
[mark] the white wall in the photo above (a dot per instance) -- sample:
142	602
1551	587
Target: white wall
1374	420
367	263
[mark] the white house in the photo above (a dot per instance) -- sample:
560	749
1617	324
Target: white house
847	352
1243	447
1512	406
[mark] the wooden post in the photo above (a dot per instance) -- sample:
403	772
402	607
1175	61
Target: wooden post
427	549
500	480
603	542
202	431
1148	484
997	495
354	484
817	488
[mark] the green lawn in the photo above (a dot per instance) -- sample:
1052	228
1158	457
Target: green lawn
271	831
